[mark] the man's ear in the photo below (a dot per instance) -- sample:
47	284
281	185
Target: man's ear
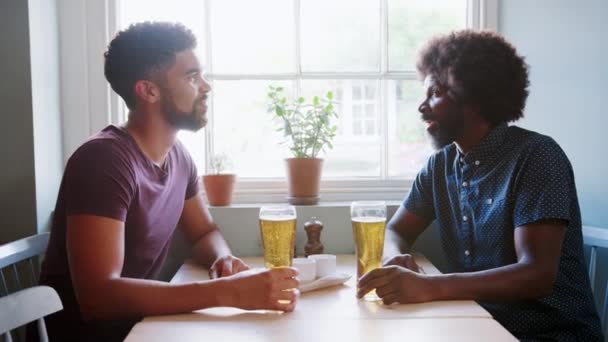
147	91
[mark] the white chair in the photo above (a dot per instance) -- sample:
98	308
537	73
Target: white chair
19	269
28	305
22	251
596	238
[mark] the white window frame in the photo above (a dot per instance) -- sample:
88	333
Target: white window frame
89	104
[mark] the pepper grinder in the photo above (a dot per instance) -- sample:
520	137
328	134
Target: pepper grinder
313	229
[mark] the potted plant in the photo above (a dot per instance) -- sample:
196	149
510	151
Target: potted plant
308	130
218	184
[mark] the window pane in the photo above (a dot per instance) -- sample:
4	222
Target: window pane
258	37
188	12
412	23
357	93
252	37
245	131
370	110
340	35
195	144
369	92
409	146
356	152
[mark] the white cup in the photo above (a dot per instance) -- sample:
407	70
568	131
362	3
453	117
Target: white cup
326	264
306	268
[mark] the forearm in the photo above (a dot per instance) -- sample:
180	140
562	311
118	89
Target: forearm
514	282
128	297
209	247
394	244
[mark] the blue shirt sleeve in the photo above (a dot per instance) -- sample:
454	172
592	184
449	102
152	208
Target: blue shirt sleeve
420	199
544	186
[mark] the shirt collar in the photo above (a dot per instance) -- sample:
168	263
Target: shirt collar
487	147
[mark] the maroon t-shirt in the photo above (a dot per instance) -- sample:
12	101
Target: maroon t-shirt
110	176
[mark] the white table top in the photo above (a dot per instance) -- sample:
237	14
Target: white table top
193	328
328	314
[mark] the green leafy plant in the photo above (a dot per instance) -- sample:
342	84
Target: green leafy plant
307	127
219	163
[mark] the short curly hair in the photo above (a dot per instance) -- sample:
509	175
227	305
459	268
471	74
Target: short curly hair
479	68
141	49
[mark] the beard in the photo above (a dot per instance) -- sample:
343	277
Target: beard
446	130
193	120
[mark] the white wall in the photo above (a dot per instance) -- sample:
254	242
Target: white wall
566	45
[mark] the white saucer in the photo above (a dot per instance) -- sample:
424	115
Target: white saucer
328	280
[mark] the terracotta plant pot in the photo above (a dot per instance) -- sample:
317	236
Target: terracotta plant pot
219	188
303	180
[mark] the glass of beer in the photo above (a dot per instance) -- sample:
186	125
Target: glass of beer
369	219
278	230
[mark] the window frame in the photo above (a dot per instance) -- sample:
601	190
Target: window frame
86	27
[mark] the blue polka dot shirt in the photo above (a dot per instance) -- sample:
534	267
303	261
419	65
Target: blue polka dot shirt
513	177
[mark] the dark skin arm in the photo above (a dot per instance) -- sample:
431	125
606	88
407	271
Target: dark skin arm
210	249
538	249
401	232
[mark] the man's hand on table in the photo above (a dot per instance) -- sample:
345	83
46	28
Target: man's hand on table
263	289
397	284
227	266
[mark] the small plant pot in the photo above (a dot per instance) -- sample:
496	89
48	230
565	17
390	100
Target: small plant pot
219	188
303	180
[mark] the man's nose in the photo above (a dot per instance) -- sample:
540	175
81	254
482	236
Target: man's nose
424	107
205	87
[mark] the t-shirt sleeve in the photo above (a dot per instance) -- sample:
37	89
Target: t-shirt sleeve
99	181
420	199
544	186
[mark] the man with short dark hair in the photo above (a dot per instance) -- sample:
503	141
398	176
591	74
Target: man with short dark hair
125	190
504	199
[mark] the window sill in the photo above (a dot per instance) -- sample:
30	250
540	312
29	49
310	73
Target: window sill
323	204
247	192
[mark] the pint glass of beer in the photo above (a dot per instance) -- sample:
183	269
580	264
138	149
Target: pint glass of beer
369	219
278	230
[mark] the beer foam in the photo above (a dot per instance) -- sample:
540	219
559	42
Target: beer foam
277	217
369	219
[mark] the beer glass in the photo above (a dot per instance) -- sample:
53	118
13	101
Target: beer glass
278	230
368	219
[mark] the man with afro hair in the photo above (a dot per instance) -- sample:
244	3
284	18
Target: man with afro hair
504	199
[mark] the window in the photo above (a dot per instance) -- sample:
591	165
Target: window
362	50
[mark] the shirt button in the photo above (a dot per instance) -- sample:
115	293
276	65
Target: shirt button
461	160
465	184
465	218
467	253
489	201
477	162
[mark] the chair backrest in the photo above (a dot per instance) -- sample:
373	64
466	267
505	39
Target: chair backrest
595	238
19	269
16	253
28	305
